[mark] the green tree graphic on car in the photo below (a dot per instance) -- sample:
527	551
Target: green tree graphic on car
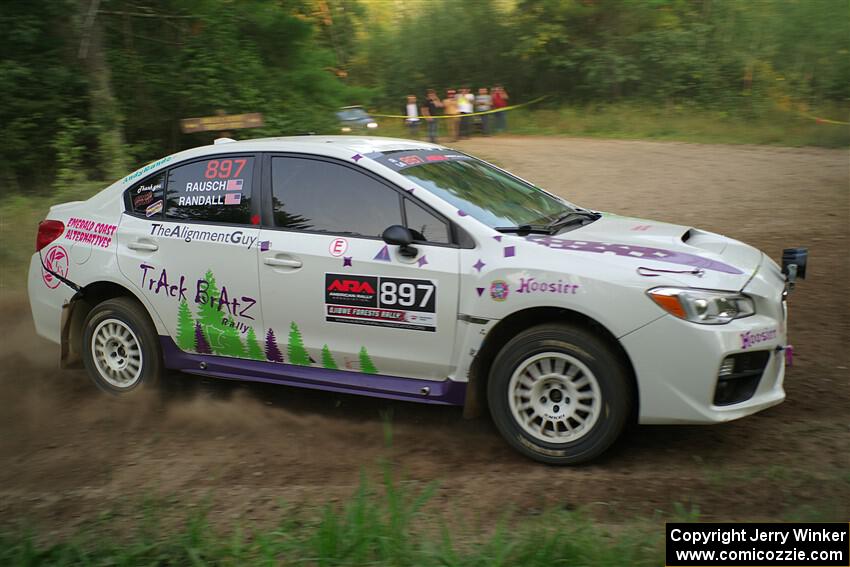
296	351
366	364
253	349
328	359
185	328
210	316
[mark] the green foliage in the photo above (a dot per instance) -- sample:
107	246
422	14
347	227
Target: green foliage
378	525
42	84
67	118
253	349
366	364
295	350
185	328
718	53
69	152
328	359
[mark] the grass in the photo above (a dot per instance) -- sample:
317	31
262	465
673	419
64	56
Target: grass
375	527
672	123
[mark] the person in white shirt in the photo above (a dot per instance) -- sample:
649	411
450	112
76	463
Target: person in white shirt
411	110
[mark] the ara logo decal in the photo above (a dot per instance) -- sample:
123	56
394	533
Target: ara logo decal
56	260
351	286
398	303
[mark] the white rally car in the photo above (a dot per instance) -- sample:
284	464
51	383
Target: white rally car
411	271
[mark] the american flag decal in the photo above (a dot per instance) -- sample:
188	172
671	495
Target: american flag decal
233	198
234	185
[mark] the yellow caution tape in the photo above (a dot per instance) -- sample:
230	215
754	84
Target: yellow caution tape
820	120
425	117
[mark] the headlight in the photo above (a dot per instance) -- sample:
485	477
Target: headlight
345	129
372	125
703	306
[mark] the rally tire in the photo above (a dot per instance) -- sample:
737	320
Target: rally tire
121	350
559	394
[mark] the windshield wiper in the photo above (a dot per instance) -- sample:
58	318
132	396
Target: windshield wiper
524	229
572	217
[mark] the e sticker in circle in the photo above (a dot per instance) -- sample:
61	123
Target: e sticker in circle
338	247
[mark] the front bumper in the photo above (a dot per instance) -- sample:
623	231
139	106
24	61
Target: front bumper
677	363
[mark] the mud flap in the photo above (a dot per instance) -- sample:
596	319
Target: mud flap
68	357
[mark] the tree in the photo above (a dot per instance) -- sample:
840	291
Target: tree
272	351
185	328
202	346
252	349
296	351
328	359
366	364
105	113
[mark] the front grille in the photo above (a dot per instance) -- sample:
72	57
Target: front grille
739	377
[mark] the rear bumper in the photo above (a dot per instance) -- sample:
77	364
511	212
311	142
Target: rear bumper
46	303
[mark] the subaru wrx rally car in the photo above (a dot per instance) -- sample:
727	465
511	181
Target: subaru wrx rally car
416	272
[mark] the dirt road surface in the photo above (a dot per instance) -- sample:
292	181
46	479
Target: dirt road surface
68	452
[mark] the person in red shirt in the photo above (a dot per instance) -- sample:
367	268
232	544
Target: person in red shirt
500	100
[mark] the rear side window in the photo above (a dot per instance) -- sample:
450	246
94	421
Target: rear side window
214	190
145	199
320	196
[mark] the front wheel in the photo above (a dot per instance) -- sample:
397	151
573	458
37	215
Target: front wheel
120	347
559	394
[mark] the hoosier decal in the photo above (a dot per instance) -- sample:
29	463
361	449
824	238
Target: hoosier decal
399	303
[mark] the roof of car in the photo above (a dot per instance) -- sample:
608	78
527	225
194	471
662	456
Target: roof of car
357	144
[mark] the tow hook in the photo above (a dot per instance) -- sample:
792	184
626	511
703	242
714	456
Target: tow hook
789	354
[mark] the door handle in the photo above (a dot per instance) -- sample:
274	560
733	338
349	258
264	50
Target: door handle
278	262
146	246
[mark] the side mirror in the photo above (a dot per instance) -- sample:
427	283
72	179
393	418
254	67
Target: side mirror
400	236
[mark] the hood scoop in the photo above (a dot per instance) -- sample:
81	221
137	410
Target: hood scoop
707	241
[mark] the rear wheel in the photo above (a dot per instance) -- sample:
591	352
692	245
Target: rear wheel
121	349
559	394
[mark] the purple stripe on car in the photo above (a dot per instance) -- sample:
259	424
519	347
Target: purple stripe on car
446	392
638	252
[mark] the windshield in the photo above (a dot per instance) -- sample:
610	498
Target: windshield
487	194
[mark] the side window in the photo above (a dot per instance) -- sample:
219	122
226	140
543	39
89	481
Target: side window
425	226
145	199
316	195
216	190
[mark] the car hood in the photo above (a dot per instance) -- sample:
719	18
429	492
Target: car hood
660	252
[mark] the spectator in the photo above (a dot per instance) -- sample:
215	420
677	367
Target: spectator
450	109
500	100
412	120
483	103
431	108
465	100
